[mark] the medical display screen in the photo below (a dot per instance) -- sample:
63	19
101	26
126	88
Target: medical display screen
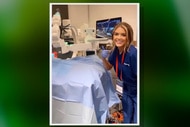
105	27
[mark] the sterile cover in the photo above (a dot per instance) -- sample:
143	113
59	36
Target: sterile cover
84	80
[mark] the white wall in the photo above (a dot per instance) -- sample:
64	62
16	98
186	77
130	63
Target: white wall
78	15
89	13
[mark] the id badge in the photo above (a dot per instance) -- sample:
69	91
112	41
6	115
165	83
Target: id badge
119	86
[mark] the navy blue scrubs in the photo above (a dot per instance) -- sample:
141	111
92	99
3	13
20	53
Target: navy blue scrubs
129	77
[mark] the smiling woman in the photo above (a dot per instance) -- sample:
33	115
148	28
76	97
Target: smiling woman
123	58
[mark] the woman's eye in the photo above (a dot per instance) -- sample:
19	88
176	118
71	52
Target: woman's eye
123	35
115	33
120	34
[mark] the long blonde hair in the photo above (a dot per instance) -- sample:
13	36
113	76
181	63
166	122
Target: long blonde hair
129	34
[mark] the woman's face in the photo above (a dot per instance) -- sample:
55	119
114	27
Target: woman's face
120	37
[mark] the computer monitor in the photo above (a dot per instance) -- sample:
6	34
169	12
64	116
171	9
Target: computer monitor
105	27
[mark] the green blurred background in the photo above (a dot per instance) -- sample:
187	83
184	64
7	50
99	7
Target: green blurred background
164	62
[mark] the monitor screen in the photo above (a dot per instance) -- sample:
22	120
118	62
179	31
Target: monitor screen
105	27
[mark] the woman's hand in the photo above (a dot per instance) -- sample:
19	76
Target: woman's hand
105	53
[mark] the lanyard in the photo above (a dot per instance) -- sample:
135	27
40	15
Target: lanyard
122	61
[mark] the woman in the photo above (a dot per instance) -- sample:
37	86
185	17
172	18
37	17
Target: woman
123	58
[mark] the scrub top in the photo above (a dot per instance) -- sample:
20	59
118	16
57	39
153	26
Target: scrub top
128	68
